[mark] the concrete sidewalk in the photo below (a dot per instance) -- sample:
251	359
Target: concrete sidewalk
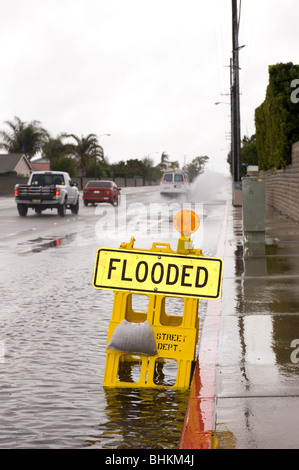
251	387
257	386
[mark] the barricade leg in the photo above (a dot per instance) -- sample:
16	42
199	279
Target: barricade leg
175	338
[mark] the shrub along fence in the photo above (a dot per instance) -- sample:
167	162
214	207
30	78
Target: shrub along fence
276	119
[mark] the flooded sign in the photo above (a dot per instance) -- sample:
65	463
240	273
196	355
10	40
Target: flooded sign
160	273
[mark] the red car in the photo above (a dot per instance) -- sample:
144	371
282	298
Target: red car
101	191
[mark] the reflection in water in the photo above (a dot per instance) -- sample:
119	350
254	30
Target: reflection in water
40	244
165	372
141	418
276	291
284	332
240	307
266	309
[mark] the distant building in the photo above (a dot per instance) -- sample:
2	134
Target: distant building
15	162
40	165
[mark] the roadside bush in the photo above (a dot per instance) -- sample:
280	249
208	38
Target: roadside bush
63	164
277	119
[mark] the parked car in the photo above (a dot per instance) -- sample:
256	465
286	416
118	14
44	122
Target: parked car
174	182
101	191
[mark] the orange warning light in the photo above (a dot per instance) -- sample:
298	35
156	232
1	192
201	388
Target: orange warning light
186	222
260	180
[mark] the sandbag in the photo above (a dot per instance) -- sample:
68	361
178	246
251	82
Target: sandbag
134	338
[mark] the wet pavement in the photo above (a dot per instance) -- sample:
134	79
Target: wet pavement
257	386
53	329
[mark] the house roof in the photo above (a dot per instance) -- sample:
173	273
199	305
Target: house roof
40	160
8	162
40	164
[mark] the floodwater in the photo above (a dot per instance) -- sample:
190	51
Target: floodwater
54	326
53	331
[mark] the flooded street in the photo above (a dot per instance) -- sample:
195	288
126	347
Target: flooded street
53	331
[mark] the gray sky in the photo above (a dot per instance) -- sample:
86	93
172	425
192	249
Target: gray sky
146	72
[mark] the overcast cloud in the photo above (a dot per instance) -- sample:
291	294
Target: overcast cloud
148	73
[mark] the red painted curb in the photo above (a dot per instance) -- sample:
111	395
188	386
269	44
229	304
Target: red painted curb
199	425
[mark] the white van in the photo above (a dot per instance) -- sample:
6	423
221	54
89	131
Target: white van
174	182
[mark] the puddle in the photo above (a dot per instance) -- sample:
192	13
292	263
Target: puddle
44	243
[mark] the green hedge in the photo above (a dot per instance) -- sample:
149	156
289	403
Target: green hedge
277	119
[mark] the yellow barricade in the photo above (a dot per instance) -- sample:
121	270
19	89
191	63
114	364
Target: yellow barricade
156	349
175	339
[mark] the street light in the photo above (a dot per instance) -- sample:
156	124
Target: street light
238	48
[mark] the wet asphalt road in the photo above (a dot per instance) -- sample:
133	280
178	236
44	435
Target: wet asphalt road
53	324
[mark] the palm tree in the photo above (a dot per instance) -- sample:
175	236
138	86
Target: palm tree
26	138
86	149
55	148
164	161
58	153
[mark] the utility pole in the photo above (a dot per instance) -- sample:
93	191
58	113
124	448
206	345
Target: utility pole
235	96
232	156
